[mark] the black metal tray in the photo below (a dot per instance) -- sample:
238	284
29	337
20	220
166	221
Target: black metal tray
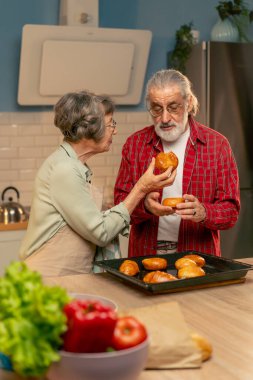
219	271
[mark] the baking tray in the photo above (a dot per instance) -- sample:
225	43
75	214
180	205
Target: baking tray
219	271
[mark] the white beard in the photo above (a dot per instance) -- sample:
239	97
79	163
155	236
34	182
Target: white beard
178	130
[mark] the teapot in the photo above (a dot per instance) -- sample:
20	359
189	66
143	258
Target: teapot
12	212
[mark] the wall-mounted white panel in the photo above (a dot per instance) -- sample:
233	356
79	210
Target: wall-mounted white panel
75	60
32	70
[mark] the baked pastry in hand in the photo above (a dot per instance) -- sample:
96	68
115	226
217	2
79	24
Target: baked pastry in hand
158	276
129	267
184	262
190	271
164	160
199	260
203	345
172	202
155	263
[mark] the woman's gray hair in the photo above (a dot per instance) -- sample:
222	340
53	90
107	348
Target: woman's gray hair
165	78
80	115
107	103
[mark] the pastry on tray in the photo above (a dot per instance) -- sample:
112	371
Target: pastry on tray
184	262
190	271
155	263
199	260
129	267
157	277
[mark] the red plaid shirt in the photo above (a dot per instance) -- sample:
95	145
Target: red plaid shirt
210	174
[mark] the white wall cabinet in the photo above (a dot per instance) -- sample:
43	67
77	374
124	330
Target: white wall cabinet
9	247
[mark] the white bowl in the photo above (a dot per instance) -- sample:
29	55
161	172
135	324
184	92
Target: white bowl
118	365
104	300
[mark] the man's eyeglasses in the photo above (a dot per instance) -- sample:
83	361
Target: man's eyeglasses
173	109
112	125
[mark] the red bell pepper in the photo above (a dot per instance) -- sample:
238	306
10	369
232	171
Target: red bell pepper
90	326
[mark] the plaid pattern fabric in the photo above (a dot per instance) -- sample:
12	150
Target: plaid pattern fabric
110	252
210	173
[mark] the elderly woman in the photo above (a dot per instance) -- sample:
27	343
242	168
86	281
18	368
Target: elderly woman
66	223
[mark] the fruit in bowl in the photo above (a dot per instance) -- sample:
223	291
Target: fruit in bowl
89	296
44	329
100	345
125	364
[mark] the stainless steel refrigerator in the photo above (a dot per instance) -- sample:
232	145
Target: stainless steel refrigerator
222	78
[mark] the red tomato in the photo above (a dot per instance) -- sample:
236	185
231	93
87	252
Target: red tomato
128	333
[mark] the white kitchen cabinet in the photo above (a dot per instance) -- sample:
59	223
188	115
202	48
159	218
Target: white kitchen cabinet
9	247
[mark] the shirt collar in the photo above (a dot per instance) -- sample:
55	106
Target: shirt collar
196	132
71	153
153	139
69	150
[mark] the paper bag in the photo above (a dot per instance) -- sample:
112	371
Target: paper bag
171	345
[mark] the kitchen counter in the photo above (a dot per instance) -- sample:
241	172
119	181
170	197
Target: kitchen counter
13	226
222	314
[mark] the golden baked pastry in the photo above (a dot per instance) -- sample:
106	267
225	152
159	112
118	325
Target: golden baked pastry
155	263
203	345
129	267
158	276
172	202
164	160
190	271
184	262
199	260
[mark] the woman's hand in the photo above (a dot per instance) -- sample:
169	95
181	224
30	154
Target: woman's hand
150	182
147	183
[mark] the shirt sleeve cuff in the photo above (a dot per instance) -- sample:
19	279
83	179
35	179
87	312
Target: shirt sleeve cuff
122	211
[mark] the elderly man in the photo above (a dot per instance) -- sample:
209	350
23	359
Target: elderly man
207	175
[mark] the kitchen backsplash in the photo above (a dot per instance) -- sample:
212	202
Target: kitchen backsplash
27	138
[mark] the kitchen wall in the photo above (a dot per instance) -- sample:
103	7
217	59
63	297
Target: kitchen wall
27	134
162	17
26	139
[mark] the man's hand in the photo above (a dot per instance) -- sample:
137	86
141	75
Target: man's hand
191	209
153	205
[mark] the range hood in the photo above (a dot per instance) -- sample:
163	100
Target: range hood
59	59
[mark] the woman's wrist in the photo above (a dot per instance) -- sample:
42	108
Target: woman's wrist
140	189
134	197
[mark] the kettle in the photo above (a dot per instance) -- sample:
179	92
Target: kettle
12	212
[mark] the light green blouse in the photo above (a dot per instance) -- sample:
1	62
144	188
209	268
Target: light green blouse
62	196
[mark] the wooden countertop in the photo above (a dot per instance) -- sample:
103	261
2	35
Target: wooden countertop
223	314
13	226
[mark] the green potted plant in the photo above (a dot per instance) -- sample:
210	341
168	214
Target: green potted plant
178	57
238	13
